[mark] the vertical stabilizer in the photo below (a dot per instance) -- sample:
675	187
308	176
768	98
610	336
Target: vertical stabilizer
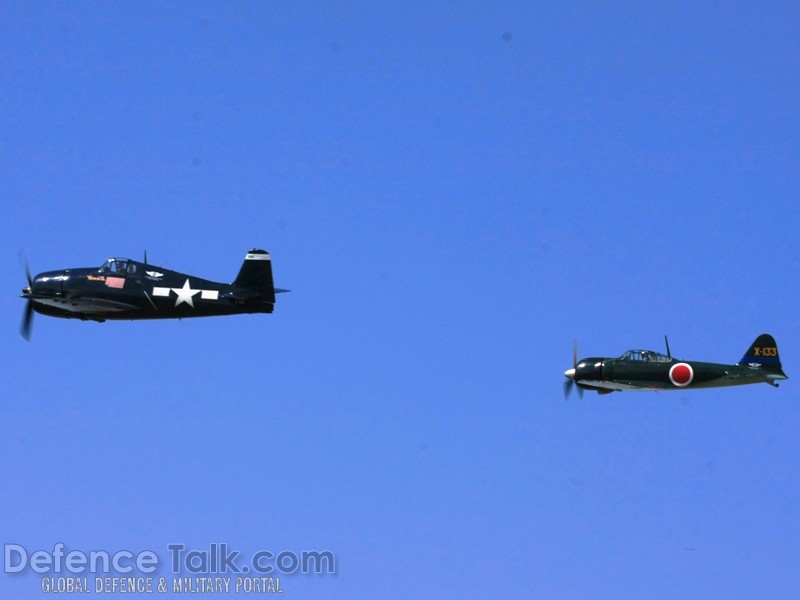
764	353
255	277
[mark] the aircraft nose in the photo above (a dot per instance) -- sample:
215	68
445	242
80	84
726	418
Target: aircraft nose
49	284
569	373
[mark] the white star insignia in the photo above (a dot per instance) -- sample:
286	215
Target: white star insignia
185	294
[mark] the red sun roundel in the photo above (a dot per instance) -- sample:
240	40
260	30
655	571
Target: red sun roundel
681	374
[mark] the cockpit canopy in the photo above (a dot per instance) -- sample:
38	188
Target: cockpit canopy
645	356
120	266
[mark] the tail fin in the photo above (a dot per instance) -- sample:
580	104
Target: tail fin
763	352
255	277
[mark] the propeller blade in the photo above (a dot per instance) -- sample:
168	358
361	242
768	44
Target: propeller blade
574	353
23	259
27	321
568	385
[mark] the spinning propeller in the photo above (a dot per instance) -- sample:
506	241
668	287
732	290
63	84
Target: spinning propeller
570	373
27	319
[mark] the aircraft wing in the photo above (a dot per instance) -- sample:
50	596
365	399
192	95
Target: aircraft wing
84	304
618	386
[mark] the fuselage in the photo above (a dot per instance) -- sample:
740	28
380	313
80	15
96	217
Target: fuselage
617	375
648	370
126	289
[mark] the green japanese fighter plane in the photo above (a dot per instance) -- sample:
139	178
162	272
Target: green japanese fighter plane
648	370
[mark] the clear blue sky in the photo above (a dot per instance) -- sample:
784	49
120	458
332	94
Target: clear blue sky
454	191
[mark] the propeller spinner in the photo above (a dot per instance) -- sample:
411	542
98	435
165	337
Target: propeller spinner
570	373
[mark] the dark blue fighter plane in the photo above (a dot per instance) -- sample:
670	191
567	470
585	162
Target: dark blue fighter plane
125	289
